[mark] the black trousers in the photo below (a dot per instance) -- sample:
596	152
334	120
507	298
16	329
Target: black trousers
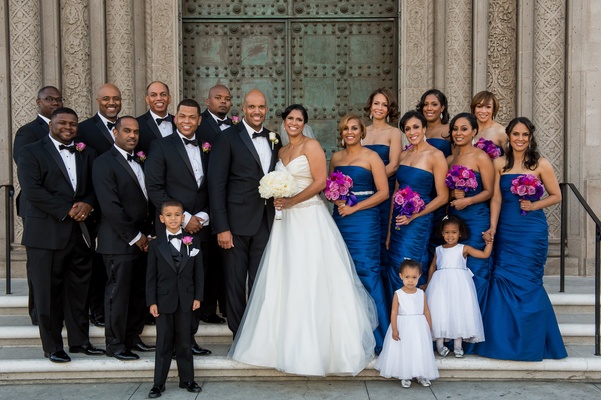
173	333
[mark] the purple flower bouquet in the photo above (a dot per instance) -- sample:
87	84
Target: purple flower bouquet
489	147
527	187
407	202
338	187
462	178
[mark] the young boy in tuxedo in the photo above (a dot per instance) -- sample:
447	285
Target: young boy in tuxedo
174	287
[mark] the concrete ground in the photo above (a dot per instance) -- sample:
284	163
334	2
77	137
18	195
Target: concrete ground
313	389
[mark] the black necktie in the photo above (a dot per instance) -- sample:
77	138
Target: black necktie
131	158
222	122
71	148
110	125
193	142
171	237
261	134
167	118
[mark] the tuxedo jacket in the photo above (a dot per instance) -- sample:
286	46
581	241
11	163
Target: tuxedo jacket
169	175
123	207
208	130
149	131
47	188
234	175
29	133
168	286
93	133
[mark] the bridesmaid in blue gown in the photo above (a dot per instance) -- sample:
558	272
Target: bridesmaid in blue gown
384	139
359	224
485	107
472	206
434	106
519	322
423	168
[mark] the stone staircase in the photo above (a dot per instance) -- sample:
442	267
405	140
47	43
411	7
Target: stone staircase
22	361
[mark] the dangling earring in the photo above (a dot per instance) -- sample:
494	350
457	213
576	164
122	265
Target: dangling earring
371	116
341	142
441	116
388	118
361	141
473	140
425	139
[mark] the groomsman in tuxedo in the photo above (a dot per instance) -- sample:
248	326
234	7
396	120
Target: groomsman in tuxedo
242	155
55	176
156	123
176	169
97	132
122	239
49	99
214	121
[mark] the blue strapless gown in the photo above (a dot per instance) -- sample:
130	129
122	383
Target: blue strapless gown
361	233
410	241
519	322
384	207
442	145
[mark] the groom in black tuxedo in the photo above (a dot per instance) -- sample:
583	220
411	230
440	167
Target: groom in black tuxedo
241	156
55	176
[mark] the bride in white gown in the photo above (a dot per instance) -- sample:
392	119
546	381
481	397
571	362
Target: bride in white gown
308	313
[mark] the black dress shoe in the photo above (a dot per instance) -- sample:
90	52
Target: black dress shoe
190	386
58	356
199	351
125	355
143	347
156	391
212	319
97	320
87	349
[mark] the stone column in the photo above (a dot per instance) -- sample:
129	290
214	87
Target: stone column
458	55
416	51
549	90
480	43
76	63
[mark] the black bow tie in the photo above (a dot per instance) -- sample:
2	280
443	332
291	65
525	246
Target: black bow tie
222	122
71	148
131	158
168	118
110	125
261	134
171	237
193	142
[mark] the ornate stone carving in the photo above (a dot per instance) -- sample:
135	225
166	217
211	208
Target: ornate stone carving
502	56
416	48
120	51
549	88
26	69
458	88
75	52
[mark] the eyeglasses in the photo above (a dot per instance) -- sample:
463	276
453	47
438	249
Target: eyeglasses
53	99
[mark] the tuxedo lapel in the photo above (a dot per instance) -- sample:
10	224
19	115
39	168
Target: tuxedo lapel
43	125
103	129
179	146
79	170
166	253
249	143
153	126
51	149
123	162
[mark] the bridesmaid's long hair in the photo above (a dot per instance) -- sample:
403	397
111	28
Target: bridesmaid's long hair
444	115
393	107
471	118
531	155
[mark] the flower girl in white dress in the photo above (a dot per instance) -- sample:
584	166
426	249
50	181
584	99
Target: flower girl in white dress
407	351
451	291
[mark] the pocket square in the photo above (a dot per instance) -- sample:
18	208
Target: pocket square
194	252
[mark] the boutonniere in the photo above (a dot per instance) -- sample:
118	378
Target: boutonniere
206	147
273	139
141	156
81	146
235	120
187	240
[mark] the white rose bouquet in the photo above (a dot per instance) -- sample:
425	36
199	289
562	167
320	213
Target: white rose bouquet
277	184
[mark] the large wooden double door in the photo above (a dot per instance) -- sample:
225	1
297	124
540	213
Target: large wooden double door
325	54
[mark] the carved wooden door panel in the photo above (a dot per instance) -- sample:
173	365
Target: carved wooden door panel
325	54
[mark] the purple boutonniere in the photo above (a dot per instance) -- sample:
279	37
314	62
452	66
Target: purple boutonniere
187	240
141	156
81	146
235	120
206	147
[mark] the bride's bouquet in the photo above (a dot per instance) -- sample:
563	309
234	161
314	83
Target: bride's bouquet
527	187
407	202
338	187
277	184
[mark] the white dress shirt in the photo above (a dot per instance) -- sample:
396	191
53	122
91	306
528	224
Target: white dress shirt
166	128
262	146
177	243
69	161
216	118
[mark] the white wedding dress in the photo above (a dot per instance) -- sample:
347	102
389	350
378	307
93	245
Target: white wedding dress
308	313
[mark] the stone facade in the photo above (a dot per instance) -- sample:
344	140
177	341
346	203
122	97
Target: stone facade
541	57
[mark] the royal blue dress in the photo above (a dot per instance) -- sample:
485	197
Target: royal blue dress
361	233
519	322
410	241
384	207
442	145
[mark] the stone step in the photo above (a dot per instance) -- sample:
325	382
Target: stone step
27	365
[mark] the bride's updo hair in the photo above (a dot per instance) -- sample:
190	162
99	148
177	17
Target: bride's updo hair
298	107
345	121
